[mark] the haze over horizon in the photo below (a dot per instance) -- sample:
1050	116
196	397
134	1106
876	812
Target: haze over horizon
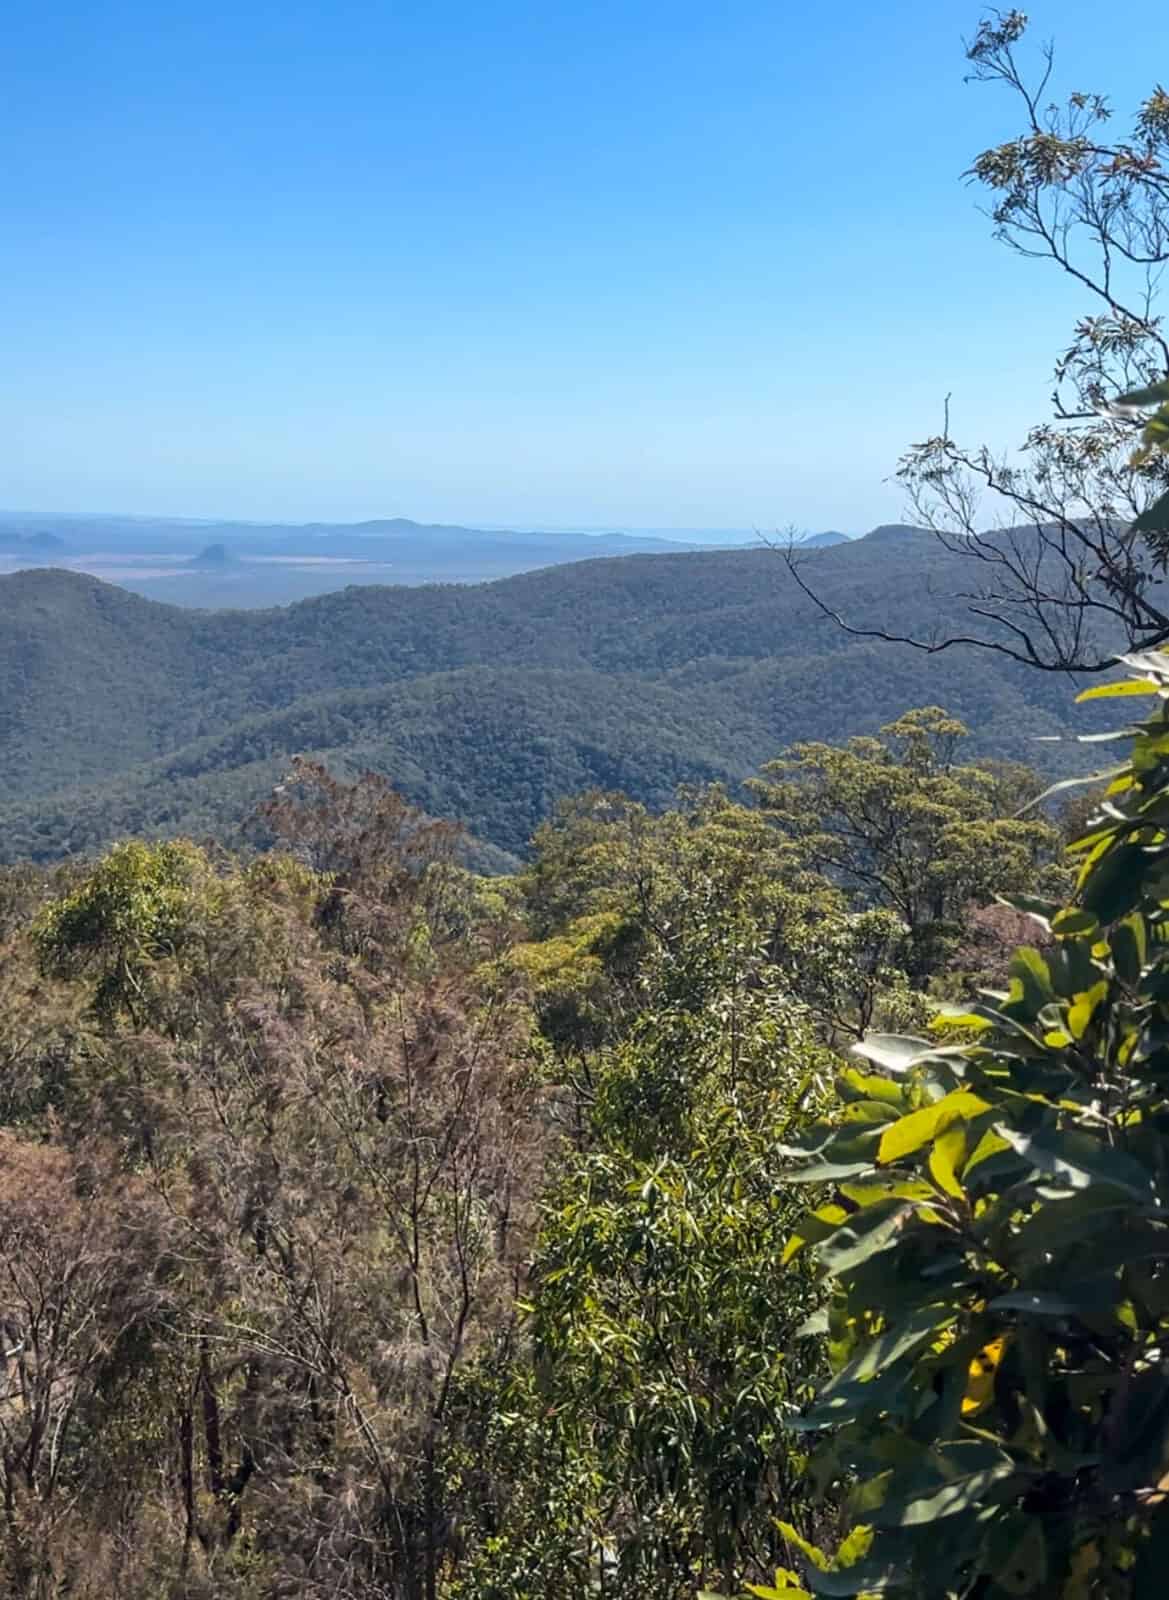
517	267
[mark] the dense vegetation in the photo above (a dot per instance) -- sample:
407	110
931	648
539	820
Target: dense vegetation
481	704
370	1228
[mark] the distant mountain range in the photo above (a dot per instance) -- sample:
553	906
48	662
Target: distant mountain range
266	564
482	703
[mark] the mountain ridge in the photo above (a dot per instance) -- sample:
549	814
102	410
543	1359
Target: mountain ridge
483	702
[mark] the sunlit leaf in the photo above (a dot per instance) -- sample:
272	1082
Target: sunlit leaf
908	1134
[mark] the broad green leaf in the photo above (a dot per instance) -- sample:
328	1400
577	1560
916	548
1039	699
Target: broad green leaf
894	1052
863	1236
1059	1223
855	1546
1106	775
870	1086
1037	1302
827	1171
950	1016
961	1489
1154	395
866	1111
886	1187
1112	886
908	1134
1079	1160
1029	970
1154	518
1031	905
991	1144
1074	920
920	1328
866	1578
811	1553
1129	948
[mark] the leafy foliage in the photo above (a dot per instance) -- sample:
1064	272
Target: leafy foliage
896	820
441	1213
996	1251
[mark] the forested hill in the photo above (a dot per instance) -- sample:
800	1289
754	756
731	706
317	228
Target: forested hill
483	703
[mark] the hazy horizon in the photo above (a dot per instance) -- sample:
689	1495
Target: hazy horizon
179	519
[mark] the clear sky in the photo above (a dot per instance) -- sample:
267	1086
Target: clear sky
565	262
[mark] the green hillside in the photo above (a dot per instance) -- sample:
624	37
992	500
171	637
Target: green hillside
481	703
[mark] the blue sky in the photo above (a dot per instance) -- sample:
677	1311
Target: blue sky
624	262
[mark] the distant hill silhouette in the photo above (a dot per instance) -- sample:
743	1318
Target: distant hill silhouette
213	555
820	541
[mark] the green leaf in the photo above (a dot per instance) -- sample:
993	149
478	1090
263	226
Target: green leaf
1154	518
959	1480
855	1546
813	1228
909	1133
991	1144
863	1236
1059	1223
921	1327
814	1556
895	1052
1078	1160
827	1171
1074	920
1155	395
868	1577
1128	945
868	1086
886	1186
1038	1302
1030	974
1104	776
946	1159
1112	885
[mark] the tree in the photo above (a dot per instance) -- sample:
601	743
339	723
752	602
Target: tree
1066	564
997	1250
902	826
663	1340
135	906
84	1296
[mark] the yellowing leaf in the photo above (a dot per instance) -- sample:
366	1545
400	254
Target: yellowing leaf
1080	1012
946	1159
1114	691
909	1133
980	1378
